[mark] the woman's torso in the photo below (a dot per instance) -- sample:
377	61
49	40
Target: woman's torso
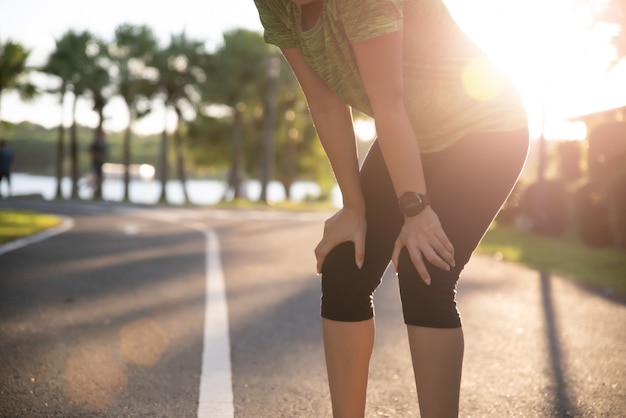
451	88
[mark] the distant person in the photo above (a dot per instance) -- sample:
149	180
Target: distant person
98	156
6	158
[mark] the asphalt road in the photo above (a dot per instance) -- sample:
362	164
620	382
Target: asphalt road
107	320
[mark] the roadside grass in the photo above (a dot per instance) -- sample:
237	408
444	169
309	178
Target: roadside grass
285	205
15	224
596	267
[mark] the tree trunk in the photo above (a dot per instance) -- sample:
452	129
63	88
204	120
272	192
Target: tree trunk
74	151
180	158
164	168
234	178
287	188
290	169
127	138
99	137
268	135
60	157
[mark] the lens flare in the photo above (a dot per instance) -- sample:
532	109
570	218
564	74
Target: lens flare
481	81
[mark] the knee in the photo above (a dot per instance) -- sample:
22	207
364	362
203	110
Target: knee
347	291
432	306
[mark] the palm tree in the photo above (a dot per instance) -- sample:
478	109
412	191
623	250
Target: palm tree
132	53
67	62
181	71
96	80
237	79
13	57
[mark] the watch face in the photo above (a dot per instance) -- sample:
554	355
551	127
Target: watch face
412	204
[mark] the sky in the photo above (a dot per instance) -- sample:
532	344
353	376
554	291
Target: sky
37	23
556	57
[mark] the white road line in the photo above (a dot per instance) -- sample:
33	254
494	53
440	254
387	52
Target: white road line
216	390
66	225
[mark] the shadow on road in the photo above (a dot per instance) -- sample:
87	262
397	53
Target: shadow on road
562	401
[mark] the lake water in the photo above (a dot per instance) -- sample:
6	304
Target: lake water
201	192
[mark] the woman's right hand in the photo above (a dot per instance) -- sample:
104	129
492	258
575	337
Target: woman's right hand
347	224
424	239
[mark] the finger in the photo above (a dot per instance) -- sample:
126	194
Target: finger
442	254
418	262
430	254
448	248
320	255
397	247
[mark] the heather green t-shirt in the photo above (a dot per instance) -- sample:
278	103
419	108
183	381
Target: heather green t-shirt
451	88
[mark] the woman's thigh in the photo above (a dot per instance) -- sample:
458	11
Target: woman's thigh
467	184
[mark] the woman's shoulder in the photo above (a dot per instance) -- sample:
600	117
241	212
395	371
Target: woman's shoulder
275	8
364	19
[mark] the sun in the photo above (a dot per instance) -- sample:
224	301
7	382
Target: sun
551	50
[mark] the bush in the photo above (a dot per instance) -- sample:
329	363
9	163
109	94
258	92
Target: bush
616	202
569	154
591	215
542	207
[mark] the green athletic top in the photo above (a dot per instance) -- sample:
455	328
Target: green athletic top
451	88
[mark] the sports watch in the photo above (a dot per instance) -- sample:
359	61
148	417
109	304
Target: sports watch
412	204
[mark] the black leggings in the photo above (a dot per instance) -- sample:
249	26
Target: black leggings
467	183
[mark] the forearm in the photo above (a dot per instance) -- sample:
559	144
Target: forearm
335	130
333	122
380	62
400	150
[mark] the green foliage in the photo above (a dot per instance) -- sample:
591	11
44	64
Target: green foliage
69	59
543	205
569	157
189	81
237	70
600	201
132	51
35	146
567	257
591	207
206	142
13	57
590	210
616	202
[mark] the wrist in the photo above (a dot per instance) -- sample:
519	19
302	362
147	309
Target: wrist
354	203
412	204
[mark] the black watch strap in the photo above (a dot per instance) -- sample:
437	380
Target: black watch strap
412	204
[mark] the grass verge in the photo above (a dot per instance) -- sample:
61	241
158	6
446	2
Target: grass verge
596	267
285	205
15	224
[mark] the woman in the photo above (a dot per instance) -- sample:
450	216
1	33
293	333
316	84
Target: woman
452	139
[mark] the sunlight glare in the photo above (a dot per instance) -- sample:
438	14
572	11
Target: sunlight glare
481	81
553	53
365	129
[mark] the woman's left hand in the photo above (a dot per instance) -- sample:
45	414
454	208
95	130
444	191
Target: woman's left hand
424	238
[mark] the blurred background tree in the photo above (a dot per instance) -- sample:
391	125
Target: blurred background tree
14	72
132	52
218	102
